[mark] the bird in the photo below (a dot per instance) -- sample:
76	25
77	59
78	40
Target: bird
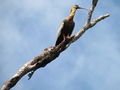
67	25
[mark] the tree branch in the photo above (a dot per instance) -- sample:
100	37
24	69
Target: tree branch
51	53
94	3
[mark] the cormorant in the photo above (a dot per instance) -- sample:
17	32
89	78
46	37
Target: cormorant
67	25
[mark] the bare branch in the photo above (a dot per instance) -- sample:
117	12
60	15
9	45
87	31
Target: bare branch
94	3
51	53
99	19
86	27
48	55
89	15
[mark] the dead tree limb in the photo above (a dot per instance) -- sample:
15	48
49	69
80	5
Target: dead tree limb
51	53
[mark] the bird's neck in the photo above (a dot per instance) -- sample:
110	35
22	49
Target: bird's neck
72	14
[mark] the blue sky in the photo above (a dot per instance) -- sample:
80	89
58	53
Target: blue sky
91	63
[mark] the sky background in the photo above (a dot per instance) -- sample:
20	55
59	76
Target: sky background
27	27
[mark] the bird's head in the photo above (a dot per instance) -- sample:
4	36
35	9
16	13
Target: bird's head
73	10
75	7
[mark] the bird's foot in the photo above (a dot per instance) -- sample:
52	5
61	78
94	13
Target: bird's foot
67	39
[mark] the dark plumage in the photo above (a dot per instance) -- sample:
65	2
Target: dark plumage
67	25
65	30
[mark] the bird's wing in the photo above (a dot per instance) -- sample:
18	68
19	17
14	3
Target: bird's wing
60	29
60	33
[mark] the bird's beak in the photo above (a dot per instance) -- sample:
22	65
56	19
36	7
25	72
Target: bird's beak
82	8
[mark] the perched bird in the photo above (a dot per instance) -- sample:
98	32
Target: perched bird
67	25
